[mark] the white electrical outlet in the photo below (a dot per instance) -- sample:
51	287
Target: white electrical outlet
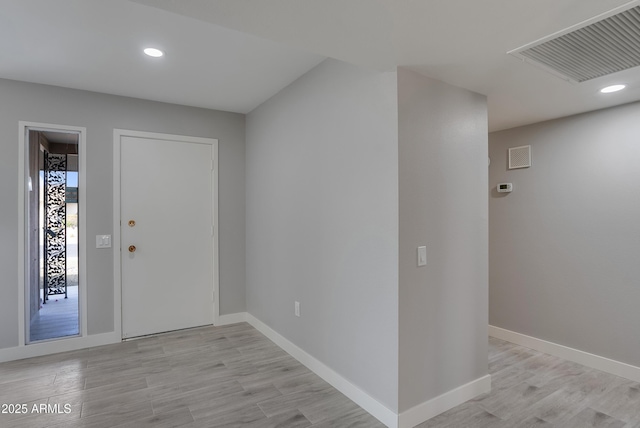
297	308
422	256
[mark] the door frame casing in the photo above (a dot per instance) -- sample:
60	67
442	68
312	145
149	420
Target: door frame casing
50	346
116	242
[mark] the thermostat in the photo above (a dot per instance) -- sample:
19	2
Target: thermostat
505	187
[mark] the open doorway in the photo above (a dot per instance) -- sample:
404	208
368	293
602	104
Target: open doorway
53	215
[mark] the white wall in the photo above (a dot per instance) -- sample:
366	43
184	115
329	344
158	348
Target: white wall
322	221
100	114
565	244
443	205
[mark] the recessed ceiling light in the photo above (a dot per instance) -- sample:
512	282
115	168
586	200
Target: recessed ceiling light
156	53
612	88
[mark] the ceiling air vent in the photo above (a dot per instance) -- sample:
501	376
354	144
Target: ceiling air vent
600	46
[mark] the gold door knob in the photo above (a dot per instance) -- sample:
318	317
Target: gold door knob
132	248
132	223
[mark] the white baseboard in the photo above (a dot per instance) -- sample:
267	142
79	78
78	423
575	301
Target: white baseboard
427	410
56	346
231	319
361	398
586	359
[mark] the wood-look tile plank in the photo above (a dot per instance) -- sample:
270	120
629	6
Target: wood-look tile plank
573	397
591	418
139	356
454	417
299	383
354	419
111	391
290	402
623	403
176	418
562	405
505	379
94	379
332	406
189	379
20	391
482	419
506	359
293	419
515	400
236	418
557	376
267	375
115	403
633	425
534	422
28	369
232	402
539	363
172	399
497	346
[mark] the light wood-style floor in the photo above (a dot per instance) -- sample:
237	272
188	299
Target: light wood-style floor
234	377
532	389
229	376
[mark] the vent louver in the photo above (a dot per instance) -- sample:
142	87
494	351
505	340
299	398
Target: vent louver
520	157
590	50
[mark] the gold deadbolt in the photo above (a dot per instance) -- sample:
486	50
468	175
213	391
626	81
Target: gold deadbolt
132	223
132	248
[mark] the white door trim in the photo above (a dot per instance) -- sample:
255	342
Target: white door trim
117	268
68	343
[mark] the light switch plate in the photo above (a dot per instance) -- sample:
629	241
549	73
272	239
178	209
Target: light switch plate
103	241
422	256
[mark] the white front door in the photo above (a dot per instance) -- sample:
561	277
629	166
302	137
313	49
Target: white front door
166	235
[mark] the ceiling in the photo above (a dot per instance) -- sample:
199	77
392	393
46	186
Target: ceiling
61	137
97	45
234	54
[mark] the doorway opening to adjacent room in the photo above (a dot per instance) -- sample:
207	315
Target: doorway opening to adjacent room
53	274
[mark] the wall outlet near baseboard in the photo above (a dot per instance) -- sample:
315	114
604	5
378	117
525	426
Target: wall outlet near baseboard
297	308
422	256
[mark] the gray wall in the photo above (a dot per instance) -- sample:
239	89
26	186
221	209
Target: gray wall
100	114
322	221
565	244
443	205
